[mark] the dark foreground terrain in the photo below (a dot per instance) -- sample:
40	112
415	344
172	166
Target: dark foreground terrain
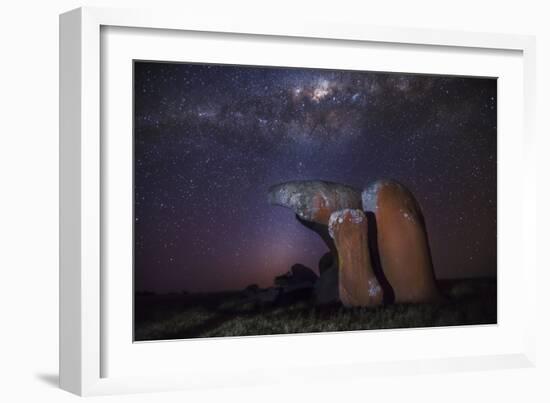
242	313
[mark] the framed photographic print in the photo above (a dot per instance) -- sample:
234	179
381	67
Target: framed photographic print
236	199
212	143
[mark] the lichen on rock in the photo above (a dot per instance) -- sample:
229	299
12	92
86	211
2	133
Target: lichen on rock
314	200
338	217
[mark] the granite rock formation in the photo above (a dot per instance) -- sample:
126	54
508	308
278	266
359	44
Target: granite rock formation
379	251
402	241
358	285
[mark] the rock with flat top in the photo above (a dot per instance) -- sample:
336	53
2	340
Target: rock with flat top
314	200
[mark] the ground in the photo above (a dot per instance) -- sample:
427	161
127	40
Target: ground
180	316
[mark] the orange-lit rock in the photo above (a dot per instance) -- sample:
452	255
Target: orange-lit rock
314	200
402	241
357	283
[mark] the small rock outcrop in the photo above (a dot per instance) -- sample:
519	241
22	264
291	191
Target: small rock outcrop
303	274
296	284
299	275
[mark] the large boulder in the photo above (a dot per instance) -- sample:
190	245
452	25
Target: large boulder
357	282
314	200
402	241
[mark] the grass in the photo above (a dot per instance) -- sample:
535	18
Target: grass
164	317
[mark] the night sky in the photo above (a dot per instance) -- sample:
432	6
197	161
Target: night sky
210	140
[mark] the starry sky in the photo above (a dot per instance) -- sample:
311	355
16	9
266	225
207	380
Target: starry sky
209	140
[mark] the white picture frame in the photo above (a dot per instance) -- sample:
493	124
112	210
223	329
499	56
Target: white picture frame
83	173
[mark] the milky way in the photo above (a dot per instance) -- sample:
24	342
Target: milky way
210	140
